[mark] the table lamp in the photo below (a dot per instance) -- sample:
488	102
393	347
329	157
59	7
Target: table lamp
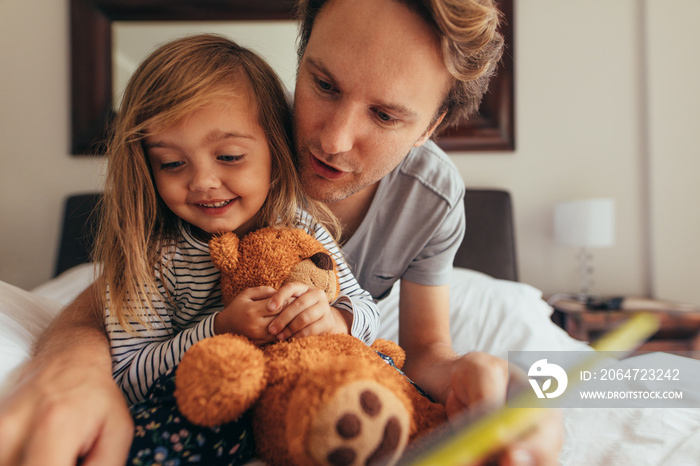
588	223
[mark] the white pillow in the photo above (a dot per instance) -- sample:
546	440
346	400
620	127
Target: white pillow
68	285
23	316
491	315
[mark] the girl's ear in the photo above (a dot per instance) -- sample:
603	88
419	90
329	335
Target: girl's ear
429	132
224	252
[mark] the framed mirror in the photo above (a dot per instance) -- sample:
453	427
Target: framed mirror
92	62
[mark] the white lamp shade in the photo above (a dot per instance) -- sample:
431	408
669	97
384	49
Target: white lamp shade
589	223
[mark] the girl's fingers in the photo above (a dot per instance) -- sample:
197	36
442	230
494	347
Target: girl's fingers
316	328
305	309
258	293
286	294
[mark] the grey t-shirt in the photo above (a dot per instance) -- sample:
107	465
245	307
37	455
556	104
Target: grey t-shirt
414	226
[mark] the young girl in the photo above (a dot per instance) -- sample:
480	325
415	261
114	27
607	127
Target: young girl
201	145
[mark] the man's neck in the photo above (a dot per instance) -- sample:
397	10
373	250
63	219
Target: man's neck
351	211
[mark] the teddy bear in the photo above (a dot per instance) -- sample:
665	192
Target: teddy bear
323	399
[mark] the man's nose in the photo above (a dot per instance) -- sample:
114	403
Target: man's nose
340	129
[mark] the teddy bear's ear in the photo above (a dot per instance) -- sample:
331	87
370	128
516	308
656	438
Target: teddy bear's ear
224	252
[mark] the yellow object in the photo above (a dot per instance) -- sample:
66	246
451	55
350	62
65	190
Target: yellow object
630	335
492	432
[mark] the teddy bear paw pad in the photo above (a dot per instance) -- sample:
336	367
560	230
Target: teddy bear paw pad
363	424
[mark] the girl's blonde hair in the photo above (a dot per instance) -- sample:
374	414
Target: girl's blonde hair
136	226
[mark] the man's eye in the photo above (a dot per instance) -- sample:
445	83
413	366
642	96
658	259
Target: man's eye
384	117
230	158
323	85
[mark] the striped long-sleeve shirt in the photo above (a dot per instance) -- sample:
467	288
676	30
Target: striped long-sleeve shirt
189	298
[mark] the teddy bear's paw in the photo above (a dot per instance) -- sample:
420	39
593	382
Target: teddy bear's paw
218	379
363	424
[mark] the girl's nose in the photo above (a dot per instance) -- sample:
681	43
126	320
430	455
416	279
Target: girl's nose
204	179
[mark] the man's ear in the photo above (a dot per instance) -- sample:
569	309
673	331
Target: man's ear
429	132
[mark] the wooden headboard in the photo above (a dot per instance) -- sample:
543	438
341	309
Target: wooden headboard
488	245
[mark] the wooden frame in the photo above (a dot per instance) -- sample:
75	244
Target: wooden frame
91	67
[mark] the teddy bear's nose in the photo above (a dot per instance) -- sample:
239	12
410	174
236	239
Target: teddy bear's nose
322	260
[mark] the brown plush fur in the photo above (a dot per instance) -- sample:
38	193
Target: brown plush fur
272	256
326	399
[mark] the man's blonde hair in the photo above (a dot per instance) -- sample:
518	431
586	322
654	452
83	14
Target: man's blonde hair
470	41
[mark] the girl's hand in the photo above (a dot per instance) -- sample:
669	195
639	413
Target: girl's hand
248	315
304	310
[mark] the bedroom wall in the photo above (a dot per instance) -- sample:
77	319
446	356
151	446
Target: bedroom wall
36	170
578	110
607	105
598	114
674	163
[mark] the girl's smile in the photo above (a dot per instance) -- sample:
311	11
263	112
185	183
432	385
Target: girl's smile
215	204
215	207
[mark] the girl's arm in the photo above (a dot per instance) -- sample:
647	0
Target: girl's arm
188	296
352	297
139	359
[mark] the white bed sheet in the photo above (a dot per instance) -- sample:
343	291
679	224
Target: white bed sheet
493	315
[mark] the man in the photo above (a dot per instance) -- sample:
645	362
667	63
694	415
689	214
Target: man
376	79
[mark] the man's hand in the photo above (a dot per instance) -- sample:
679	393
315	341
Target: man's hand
65	405
479	383
478	380
540	447
465	384
60	412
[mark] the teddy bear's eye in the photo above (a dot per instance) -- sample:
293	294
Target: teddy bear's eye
322	260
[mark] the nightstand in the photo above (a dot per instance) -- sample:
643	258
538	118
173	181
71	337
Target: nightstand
679	330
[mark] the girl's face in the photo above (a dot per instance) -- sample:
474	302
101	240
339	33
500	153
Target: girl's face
213	169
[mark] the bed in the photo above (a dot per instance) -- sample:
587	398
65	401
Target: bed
493	313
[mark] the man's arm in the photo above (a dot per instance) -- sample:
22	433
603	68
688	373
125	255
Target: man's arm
473	380
424	333
65	405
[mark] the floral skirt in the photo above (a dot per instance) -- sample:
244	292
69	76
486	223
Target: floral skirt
163	436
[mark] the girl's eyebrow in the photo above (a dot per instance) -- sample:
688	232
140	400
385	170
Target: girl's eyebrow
213	136
218	135
151	144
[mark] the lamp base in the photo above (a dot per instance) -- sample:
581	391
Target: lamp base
585	270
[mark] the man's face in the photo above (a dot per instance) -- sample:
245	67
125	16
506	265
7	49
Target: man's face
368	88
